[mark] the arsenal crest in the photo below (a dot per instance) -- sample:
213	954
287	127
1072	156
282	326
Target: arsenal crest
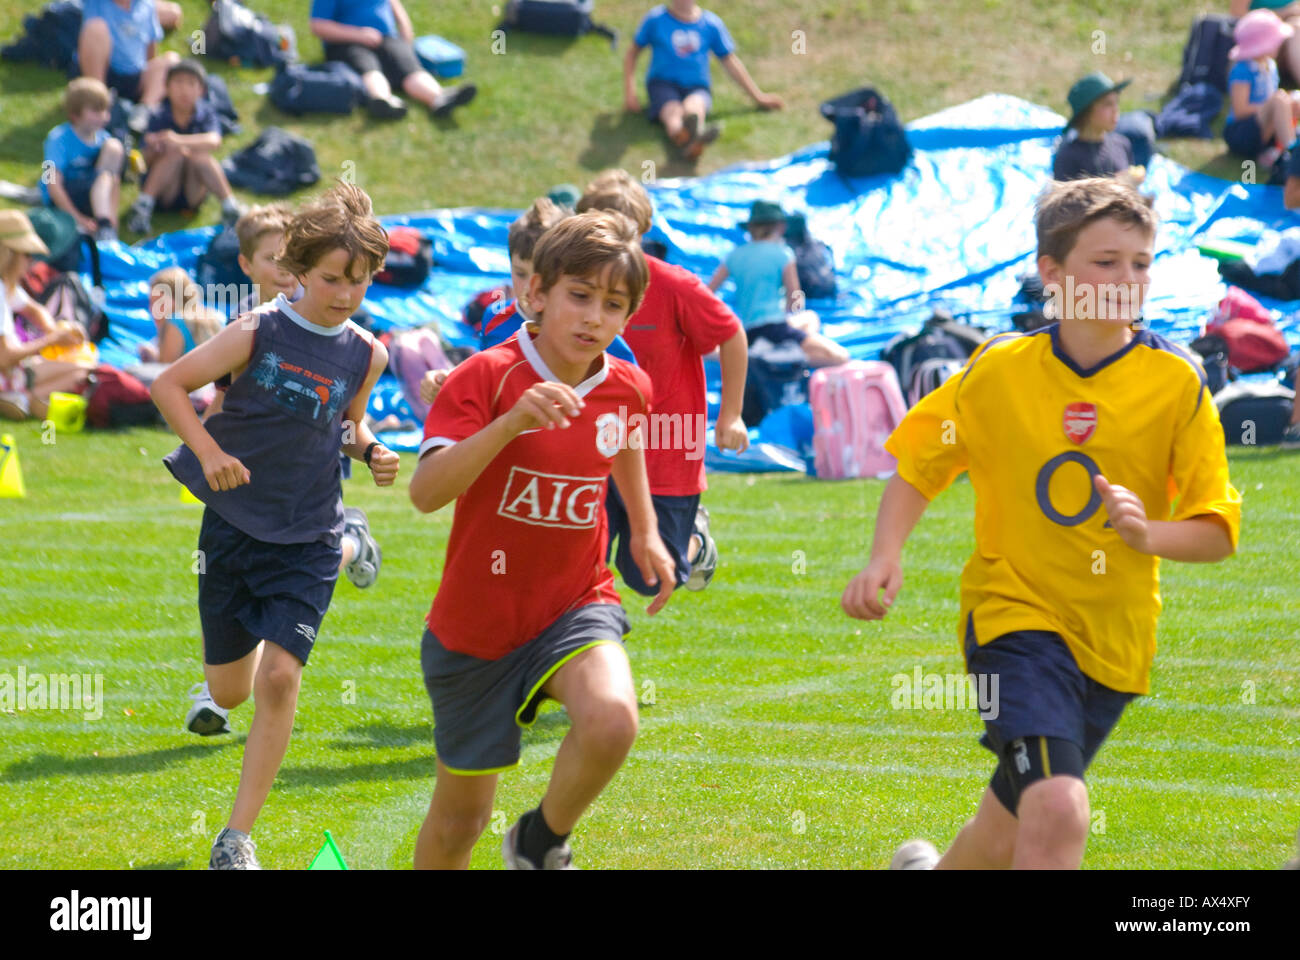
1080	421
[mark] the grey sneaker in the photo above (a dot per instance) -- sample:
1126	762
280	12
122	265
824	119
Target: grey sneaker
205	717
557	858
915	855
233	851
703	568
364	568
231	213
139	218
452	97
1291	437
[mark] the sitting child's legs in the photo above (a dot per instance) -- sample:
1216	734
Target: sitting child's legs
153	81
166	176
458	813
672	115
94	48
105	193
823	352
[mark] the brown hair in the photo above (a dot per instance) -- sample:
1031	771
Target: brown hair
258	222
203	322
762	231
586	244
536	220
84	93
615	189
340	219
1065	208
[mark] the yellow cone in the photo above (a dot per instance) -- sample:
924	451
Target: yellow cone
11	474
187	497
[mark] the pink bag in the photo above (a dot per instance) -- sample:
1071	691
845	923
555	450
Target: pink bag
855	408
412	354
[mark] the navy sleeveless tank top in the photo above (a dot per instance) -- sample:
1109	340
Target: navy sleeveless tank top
283	418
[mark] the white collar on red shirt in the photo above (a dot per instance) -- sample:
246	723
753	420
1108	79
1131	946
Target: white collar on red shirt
542	370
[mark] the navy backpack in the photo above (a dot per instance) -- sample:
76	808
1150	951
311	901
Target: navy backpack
236	34
276	163
868	137
563	18
331	87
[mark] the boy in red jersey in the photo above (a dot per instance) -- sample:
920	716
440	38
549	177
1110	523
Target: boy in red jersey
679	321
523	437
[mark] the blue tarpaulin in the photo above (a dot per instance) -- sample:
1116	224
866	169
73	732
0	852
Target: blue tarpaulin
956	226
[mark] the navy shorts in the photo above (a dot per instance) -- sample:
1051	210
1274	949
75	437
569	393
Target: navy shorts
127	85
480	706
676	524
776	334
79	192
252	590
665	91
1042	693
1244	137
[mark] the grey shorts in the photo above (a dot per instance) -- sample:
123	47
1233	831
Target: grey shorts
480	706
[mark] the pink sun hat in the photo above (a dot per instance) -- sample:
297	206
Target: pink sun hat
1259	34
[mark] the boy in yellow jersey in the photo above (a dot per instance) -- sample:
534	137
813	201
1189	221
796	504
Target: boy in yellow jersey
1094	449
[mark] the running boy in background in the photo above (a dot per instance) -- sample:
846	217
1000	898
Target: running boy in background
768	297
681	36
261	235
267	468
523	438
679	321
1119	461
82	171
179	148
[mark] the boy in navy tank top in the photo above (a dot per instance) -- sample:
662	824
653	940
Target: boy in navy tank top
267	467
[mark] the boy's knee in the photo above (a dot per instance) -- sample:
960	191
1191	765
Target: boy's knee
111	151
168	58
1057	807
227	697
280	680
459	830
608	725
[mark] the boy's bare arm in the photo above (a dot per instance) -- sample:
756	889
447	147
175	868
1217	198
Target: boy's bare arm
719	277
901	507
331	31
403	21
227	351
731	63
647	549
1202	539
384	463
630	100
447	472
729	432
790	280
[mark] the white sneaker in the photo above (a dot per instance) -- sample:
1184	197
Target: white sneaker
363	571
233	851
557	858
915	855
205	717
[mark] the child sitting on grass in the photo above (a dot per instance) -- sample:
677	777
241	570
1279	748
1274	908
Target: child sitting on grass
1262	117
180	316
82	171
681	36
768	299
1097	151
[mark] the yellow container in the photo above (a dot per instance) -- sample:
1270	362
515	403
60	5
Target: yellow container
84	352
67	412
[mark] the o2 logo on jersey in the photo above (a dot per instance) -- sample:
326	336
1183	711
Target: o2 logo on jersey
611	434
1043	488
552	500
1080	421
685	42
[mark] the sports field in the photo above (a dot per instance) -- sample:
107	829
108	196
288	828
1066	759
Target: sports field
767	733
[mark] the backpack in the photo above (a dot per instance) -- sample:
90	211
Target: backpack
218	97
331	87
58	231
1254	341
941	338
244	38
929	375
218	265
475	310
276	163
564	18
114	398
409	260
868	137
1205	57
855	408
1213	350
777	377
50	36
1190	113
1254	413
812	259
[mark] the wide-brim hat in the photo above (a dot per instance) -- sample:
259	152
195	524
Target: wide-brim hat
1259	34
1088	91
763	213
17	233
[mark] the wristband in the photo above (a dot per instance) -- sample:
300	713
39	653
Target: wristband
369	451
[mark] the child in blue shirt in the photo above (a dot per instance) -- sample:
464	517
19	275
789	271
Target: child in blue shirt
768	299
118	45
83	163
681	36
1262	118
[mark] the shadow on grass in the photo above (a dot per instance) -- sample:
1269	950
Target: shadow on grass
411	768
377	735
170	865
48	765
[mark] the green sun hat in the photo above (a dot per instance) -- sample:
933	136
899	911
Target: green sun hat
1088	91
763	213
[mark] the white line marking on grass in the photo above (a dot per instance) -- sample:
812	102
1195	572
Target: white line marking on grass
1218	663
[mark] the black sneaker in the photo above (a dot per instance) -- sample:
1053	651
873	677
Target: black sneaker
389	108
453	97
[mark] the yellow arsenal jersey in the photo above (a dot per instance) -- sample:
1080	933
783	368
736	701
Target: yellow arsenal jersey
1031	428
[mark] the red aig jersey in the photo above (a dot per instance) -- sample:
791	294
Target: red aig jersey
528	536
679	321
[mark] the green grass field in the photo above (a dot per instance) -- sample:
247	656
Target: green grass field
767	736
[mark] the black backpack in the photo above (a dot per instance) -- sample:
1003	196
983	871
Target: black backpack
218	97
812	259
50	36
1253	412
563	18
776	378
1213	350
941	338
219	265
868	137
409	259
276	163
331	87
1205	58
236	34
